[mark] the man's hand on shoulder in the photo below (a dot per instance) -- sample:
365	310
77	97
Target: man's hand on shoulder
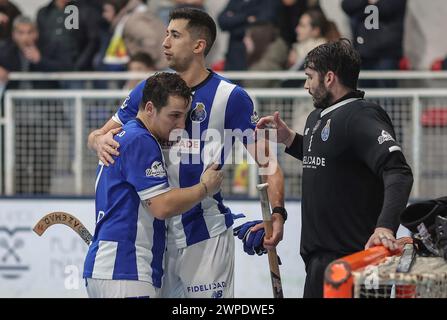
106	147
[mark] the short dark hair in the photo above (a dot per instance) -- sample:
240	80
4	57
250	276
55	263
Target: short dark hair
318	20
144	58
339	57
199	23
160	86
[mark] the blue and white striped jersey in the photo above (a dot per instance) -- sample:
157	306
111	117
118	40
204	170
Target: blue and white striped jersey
219	111
129	243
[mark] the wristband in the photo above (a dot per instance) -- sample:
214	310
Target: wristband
282	211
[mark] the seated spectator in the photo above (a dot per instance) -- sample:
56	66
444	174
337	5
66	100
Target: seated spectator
266	51
8	12
140	62
311	31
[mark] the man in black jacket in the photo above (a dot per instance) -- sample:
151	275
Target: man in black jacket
78	45
382	48
356	181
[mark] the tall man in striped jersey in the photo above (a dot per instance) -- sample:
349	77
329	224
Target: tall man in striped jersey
133	196
200	257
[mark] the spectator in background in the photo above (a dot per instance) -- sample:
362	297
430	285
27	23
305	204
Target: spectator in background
134	29
8	12
266	51
110	10
382	48
35	125
78	45
235	19
290	12
144	32
140	62
22	53
311	32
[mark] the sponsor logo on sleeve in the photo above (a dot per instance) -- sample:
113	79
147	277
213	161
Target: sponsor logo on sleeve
385	136
156	170
254	118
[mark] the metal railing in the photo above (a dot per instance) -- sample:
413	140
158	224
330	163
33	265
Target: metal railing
232	75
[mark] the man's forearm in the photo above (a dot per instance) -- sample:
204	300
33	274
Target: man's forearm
176	201
276	188
397	188
296	148
397	183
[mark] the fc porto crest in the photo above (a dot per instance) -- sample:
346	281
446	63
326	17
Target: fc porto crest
198	114
254	118
326	131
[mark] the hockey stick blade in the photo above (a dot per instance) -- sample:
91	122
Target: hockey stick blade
59	217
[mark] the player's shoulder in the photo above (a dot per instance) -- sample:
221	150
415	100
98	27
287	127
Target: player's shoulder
134	134
236	89
368	112
134	97
364	107
138	90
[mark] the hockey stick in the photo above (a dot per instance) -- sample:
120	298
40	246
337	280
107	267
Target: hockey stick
59	217
273	257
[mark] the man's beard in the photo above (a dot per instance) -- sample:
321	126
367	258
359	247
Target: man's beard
179	65
322	97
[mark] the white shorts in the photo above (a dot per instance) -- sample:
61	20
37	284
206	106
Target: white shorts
105	288
203	270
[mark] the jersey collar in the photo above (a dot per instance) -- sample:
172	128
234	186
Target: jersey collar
201	84
348	98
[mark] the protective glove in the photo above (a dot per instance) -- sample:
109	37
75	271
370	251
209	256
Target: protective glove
253	241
